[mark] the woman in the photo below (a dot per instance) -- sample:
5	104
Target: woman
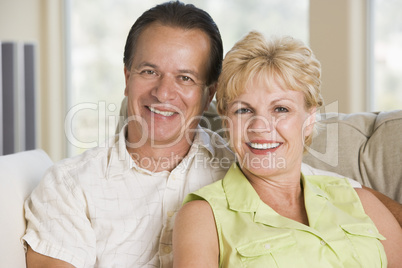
265	213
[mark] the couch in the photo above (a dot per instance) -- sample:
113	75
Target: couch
20	173
364	146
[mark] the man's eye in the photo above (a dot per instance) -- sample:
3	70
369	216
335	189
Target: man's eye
242	111
281	110
186	79
148	72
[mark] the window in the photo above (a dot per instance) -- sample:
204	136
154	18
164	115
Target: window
98	34
386	78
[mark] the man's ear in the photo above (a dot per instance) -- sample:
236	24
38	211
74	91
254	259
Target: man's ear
126	78
211	93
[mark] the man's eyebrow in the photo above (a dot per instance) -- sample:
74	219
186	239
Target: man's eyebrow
188	71
146	64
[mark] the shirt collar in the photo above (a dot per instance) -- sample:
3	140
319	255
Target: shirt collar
202	139
120	160
241	195
312	188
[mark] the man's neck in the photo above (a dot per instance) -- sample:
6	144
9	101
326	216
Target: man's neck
159	157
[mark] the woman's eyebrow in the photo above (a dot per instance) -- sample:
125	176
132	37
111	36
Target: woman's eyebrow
282	99
239	102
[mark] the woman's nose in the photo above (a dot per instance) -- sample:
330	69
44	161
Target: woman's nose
260	124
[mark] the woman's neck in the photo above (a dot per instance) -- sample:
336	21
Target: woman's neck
284	194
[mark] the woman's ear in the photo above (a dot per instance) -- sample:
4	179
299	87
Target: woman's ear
308	126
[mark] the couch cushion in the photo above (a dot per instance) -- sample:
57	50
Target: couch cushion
363	146
381	158
19	174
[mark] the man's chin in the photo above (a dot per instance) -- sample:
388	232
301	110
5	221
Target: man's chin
165	142
166	139
171	135
163	136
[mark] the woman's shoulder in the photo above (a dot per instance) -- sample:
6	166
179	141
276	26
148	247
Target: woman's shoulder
335	190
327	181
208	193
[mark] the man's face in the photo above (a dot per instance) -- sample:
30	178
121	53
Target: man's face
166	84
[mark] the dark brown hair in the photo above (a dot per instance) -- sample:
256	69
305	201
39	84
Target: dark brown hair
185	16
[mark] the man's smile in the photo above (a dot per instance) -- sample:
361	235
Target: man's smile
164	113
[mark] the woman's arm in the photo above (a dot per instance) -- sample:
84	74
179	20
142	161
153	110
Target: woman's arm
195	239
386	224
392	205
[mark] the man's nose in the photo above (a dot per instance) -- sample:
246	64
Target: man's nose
165	89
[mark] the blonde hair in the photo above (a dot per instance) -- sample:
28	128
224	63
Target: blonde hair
284	60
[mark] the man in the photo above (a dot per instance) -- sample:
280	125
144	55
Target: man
114	206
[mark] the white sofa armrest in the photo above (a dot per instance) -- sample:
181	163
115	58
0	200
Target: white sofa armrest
19	175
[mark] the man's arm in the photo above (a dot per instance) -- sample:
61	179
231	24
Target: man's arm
392	205
35	260
57	224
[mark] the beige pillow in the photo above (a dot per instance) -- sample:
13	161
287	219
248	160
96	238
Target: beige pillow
363	146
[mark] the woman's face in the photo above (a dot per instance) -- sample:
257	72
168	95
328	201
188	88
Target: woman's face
267	127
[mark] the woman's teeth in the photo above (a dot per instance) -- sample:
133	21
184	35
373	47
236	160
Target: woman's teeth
264	146
161	112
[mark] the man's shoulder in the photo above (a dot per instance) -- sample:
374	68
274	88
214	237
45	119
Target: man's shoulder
219	144
93	160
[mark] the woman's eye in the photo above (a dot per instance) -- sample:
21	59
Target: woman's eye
242	111
281	110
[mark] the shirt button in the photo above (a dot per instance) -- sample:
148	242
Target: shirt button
170	213
267	246
167	249
370	231
323	242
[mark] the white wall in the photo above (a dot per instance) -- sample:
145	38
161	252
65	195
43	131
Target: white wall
337	36
41	22
20	20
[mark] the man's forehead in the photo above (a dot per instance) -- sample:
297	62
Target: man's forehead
172	48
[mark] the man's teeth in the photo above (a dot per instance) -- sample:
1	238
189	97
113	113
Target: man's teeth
264	146
161	112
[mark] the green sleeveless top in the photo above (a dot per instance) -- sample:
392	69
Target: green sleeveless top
252	234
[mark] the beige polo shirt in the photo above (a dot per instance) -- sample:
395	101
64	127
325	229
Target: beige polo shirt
100	209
